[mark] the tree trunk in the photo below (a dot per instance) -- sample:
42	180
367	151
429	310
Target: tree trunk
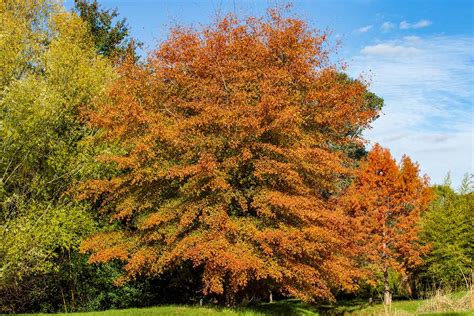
270	298
229	299
228	294
472	288
387	298
413	287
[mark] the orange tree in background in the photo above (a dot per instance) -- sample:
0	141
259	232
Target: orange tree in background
385	201
228	146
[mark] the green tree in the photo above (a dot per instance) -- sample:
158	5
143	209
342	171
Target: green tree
449	227
49	70
111	35
22	35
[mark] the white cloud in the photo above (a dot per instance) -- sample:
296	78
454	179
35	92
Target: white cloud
422	23
390	49
404	25
364	29
411	38
427	84
387	26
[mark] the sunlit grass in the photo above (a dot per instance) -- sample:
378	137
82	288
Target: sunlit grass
285	307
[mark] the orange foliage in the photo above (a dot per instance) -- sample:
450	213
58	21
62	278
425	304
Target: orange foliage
231	144
385	202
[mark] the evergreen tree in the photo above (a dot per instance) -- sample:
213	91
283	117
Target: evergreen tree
110	34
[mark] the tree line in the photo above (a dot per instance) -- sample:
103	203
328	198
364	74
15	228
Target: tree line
229	166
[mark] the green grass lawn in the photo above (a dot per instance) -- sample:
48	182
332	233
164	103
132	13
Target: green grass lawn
280	308
286	307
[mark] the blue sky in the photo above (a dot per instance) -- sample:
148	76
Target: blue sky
418	55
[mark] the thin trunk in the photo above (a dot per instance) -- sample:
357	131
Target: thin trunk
64	300
472	288
270	298
386	290
71	277
387	298
413	287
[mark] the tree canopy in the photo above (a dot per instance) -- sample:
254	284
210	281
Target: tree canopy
386	201
111	35
229	167
448	227
51	70
229	147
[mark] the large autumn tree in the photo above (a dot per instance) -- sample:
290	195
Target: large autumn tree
228	146
385	202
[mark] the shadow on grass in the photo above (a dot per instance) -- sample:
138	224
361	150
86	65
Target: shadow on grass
286	307
295	307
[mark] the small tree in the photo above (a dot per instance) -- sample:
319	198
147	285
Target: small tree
448	227
385	201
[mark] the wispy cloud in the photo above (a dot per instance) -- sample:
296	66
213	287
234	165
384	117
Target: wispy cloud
404	25
364	29
390	49
421	24
411	38
387	26
427	86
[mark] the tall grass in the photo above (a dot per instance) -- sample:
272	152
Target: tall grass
442	301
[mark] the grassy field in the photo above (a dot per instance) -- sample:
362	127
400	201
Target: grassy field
287	307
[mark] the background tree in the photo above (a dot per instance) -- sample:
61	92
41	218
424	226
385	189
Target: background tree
111	35
49	68
448	227
22	33
357	150
385	201
228	148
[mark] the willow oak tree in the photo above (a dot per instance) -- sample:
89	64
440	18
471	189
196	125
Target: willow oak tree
229	145
385	202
